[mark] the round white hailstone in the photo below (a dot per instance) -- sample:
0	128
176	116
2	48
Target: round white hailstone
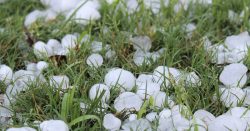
69	41
141	57
41	50
62	6
240	112
86	13
110	54
55	45
143	43
41	65
97	89
227	122
181	110
192	79
238	42
112	123
144	78
154	5
128	101
32	17
204	115
83	106
96	46
161	99
61	81
146	90
6	74
24	76
95	60
21	129
50	15
54	125
152	116
86	39
5	106
137	125
31	67
120	77
189	28
198	125
165	113
234	75
132	6
132	117
180	123
231	97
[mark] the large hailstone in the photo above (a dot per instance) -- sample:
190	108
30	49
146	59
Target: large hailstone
54	125
94	60
69	41
6	74
21	129
41	65
137	125
231	97
112	123
147	89
85	13
41	50
143	43
120	77
61	81
97	89
163	75
240	112
198	125
144	78
234	75
161	99
152	116
226	123
192	79
128	101
204	115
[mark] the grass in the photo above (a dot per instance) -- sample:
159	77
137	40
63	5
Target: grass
41	102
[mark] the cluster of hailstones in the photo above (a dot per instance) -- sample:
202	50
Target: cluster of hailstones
83	11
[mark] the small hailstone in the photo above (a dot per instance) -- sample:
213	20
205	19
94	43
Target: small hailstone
95	60
112	123
140	57
32	17
240	112
192	79
69	41
143	43
120	77
161	99
128	101
96	46
54	125
55	45
181	110
83	106
152	116
233	17
154	5
144	78
50	15
132	117
6	74
85	13
231	97
41	50
31	67
189	28
165	113
41	65
180	123
110	54
137	125
234	75
204	115
132	6
21	129
146	90
97	89
198	125
61	81
227	122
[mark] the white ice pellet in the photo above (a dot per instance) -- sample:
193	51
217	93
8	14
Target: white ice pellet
231	97
234	75
143	43
152	116
69	41
120	77
95	60
137	125
41	65
112	123
97	89
61	81
128	101
41	50
204	115
6	74
161	99
146	90
54	125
